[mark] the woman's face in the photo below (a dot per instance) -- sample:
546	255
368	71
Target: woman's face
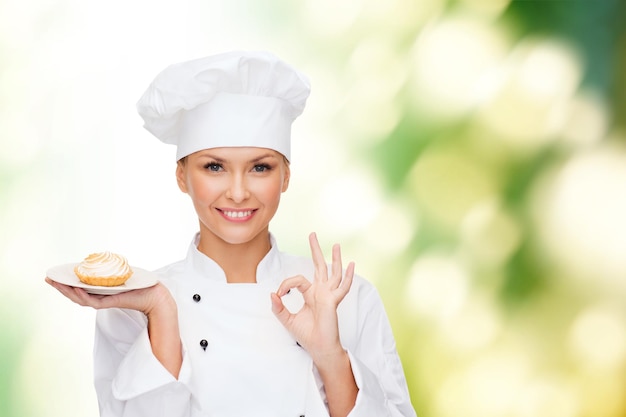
235	190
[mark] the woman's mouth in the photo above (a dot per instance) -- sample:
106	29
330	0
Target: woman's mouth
237	215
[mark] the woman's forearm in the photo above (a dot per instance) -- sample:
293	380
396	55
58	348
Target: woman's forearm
339	384
165	336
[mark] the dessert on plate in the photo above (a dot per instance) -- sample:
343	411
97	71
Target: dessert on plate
106	269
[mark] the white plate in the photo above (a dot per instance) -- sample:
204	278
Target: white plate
140	278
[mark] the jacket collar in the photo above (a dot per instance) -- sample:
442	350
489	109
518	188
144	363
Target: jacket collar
267	271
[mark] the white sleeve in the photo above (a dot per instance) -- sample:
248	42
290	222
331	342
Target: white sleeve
129	380
376	366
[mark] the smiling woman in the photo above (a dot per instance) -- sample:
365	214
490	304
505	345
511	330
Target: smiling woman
241	185
223	322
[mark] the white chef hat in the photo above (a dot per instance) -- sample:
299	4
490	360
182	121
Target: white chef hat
231	99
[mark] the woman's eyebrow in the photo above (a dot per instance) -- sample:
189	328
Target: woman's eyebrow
259	158
222	160
213	157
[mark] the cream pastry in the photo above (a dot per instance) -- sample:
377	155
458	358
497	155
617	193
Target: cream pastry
106	269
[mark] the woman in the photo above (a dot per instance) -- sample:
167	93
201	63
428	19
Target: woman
239	328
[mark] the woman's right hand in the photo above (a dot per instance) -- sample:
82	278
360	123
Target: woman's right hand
145	300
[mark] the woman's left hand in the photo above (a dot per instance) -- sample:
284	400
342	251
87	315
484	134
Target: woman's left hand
315	326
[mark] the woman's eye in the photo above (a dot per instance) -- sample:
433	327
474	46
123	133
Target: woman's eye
213	166
261	168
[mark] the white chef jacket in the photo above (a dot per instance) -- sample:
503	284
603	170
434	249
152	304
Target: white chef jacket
238	359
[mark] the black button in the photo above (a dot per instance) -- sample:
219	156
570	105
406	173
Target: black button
204	344
196	297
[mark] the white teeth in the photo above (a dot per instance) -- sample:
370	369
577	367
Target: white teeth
238	214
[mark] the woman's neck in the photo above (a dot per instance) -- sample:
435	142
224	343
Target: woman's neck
239	261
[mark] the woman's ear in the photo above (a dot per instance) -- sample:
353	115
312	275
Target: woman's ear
180	176
286	176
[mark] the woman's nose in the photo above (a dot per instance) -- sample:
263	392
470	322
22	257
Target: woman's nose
237	189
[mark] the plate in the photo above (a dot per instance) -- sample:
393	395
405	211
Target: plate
64	274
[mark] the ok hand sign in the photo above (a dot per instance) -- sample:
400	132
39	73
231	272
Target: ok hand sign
315	326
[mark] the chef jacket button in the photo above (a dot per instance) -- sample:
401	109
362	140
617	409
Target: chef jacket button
197	298
204	344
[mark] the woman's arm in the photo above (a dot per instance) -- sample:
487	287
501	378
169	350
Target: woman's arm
155	302
164	332
339	384
315	326
364	377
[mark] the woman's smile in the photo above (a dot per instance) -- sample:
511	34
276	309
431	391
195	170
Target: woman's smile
237	215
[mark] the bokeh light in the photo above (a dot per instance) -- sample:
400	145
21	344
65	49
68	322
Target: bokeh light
469	156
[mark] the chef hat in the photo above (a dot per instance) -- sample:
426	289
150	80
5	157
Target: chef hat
230	99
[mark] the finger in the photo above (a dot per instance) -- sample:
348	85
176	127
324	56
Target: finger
76	295
80	296
66	290
53	283
336	266
88	300
321	270
278	308
346	283
298	281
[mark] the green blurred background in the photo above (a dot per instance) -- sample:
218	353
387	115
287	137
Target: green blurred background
470	156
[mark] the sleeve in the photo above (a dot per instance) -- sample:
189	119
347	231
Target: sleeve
129	379
375	362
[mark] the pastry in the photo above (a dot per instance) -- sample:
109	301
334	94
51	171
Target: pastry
105	269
